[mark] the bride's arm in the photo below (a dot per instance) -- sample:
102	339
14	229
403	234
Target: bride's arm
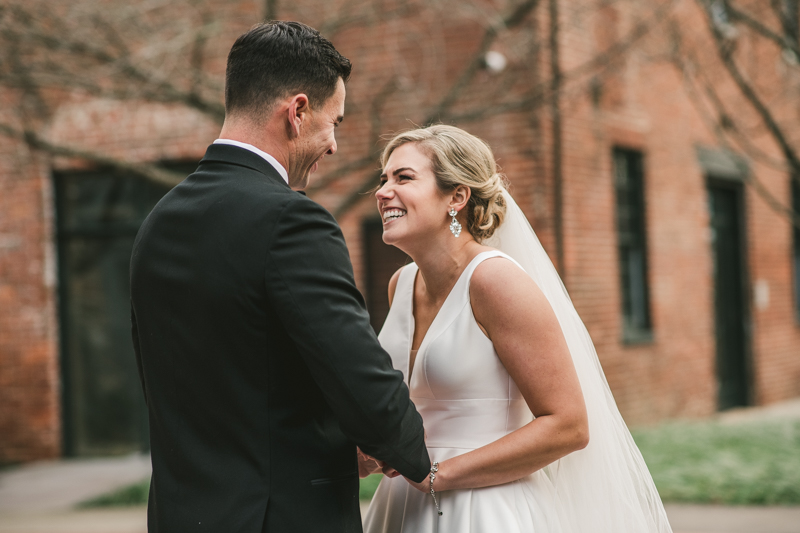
516	316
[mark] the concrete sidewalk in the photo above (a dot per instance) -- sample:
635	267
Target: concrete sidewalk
684	519
788	410
42	497
117	520
54	486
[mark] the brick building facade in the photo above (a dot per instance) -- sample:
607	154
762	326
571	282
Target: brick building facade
622	169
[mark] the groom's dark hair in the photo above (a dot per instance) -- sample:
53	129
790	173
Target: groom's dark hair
278	58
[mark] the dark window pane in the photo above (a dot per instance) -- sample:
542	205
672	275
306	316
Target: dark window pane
632	245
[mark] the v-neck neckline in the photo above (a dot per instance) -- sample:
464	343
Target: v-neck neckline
412	321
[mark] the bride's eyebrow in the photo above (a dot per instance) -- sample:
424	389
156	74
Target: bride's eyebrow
399	170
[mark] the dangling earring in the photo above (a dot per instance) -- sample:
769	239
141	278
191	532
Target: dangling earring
455	225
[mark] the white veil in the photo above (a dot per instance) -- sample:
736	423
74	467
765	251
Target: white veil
606	487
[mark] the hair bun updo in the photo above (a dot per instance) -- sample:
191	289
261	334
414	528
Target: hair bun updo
488	210
460	158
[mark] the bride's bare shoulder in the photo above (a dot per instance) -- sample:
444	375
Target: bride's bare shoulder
506	302
497	280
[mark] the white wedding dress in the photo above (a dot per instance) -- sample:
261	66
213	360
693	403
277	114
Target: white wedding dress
467	400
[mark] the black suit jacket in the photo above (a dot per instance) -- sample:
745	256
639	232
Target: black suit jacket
259	367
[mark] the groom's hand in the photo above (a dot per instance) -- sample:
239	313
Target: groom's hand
367	465
388	471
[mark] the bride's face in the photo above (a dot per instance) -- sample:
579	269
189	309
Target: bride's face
411	205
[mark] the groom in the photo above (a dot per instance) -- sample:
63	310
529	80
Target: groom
259	368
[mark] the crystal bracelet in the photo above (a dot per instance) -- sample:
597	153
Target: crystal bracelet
434	469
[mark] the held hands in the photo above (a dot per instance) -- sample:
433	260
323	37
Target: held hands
369	465
366	465
423	486
439	484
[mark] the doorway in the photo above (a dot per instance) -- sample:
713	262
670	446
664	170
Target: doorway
731	313
98	214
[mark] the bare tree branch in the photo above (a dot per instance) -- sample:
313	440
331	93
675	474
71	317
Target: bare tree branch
725	52
515	17
143	170
722	123
512	20
760	28
717	125
136	83
542	92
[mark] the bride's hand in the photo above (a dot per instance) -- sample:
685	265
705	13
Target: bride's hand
424	486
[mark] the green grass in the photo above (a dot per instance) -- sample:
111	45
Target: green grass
135	494
749	463
368	486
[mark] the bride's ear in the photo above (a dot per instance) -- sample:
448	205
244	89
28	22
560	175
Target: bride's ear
459	197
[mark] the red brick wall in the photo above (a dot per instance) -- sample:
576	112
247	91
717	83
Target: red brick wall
641	101
29	382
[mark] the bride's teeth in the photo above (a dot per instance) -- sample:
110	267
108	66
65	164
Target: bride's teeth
393	214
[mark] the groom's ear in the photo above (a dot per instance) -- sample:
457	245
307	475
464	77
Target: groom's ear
297	113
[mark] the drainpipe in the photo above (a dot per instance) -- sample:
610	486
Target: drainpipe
555	114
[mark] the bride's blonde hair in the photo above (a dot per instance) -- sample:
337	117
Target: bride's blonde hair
459	158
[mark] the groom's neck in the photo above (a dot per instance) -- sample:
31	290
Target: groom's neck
268	137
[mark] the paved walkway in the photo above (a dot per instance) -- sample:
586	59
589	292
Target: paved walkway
49	486
684	519
724	519
118	520
41	497
789	409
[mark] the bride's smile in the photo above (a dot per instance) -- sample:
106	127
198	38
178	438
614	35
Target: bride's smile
391	214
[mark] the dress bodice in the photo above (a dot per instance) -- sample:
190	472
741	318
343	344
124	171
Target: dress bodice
460	387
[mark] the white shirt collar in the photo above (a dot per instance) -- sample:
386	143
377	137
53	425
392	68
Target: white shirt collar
271	160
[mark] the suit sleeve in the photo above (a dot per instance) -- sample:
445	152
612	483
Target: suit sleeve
137	351
311	278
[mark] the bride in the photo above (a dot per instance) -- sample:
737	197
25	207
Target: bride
520	422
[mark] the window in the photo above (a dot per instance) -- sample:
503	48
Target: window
632	246
796	233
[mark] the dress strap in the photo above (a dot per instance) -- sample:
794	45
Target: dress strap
480	258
